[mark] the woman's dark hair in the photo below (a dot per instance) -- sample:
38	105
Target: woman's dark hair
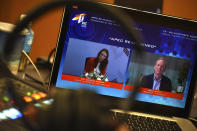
104	62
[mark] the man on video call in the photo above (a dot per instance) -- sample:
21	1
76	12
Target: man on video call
157	81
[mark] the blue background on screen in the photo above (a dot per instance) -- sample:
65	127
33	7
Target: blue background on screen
102	32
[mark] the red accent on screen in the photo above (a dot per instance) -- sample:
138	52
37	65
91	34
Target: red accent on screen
92	81
156	92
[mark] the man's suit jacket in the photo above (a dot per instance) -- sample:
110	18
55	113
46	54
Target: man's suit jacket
165	85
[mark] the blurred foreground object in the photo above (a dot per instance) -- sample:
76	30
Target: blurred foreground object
13	61
27	47
84	111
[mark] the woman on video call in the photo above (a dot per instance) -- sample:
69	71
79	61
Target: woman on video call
98	64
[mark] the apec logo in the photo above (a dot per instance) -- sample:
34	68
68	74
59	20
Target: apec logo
79	17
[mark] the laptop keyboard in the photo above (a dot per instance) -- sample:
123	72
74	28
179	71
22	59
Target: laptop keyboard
142	123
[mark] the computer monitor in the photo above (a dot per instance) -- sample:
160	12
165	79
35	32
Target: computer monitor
87	32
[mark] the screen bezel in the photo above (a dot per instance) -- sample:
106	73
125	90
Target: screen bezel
142	16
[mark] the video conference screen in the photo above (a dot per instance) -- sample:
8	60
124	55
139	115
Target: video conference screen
99	55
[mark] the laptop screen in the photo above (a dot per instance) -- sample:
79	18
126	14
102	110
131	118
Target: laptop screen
97	54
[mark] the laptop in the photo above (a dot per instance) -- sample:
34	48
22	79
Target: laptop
88	33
